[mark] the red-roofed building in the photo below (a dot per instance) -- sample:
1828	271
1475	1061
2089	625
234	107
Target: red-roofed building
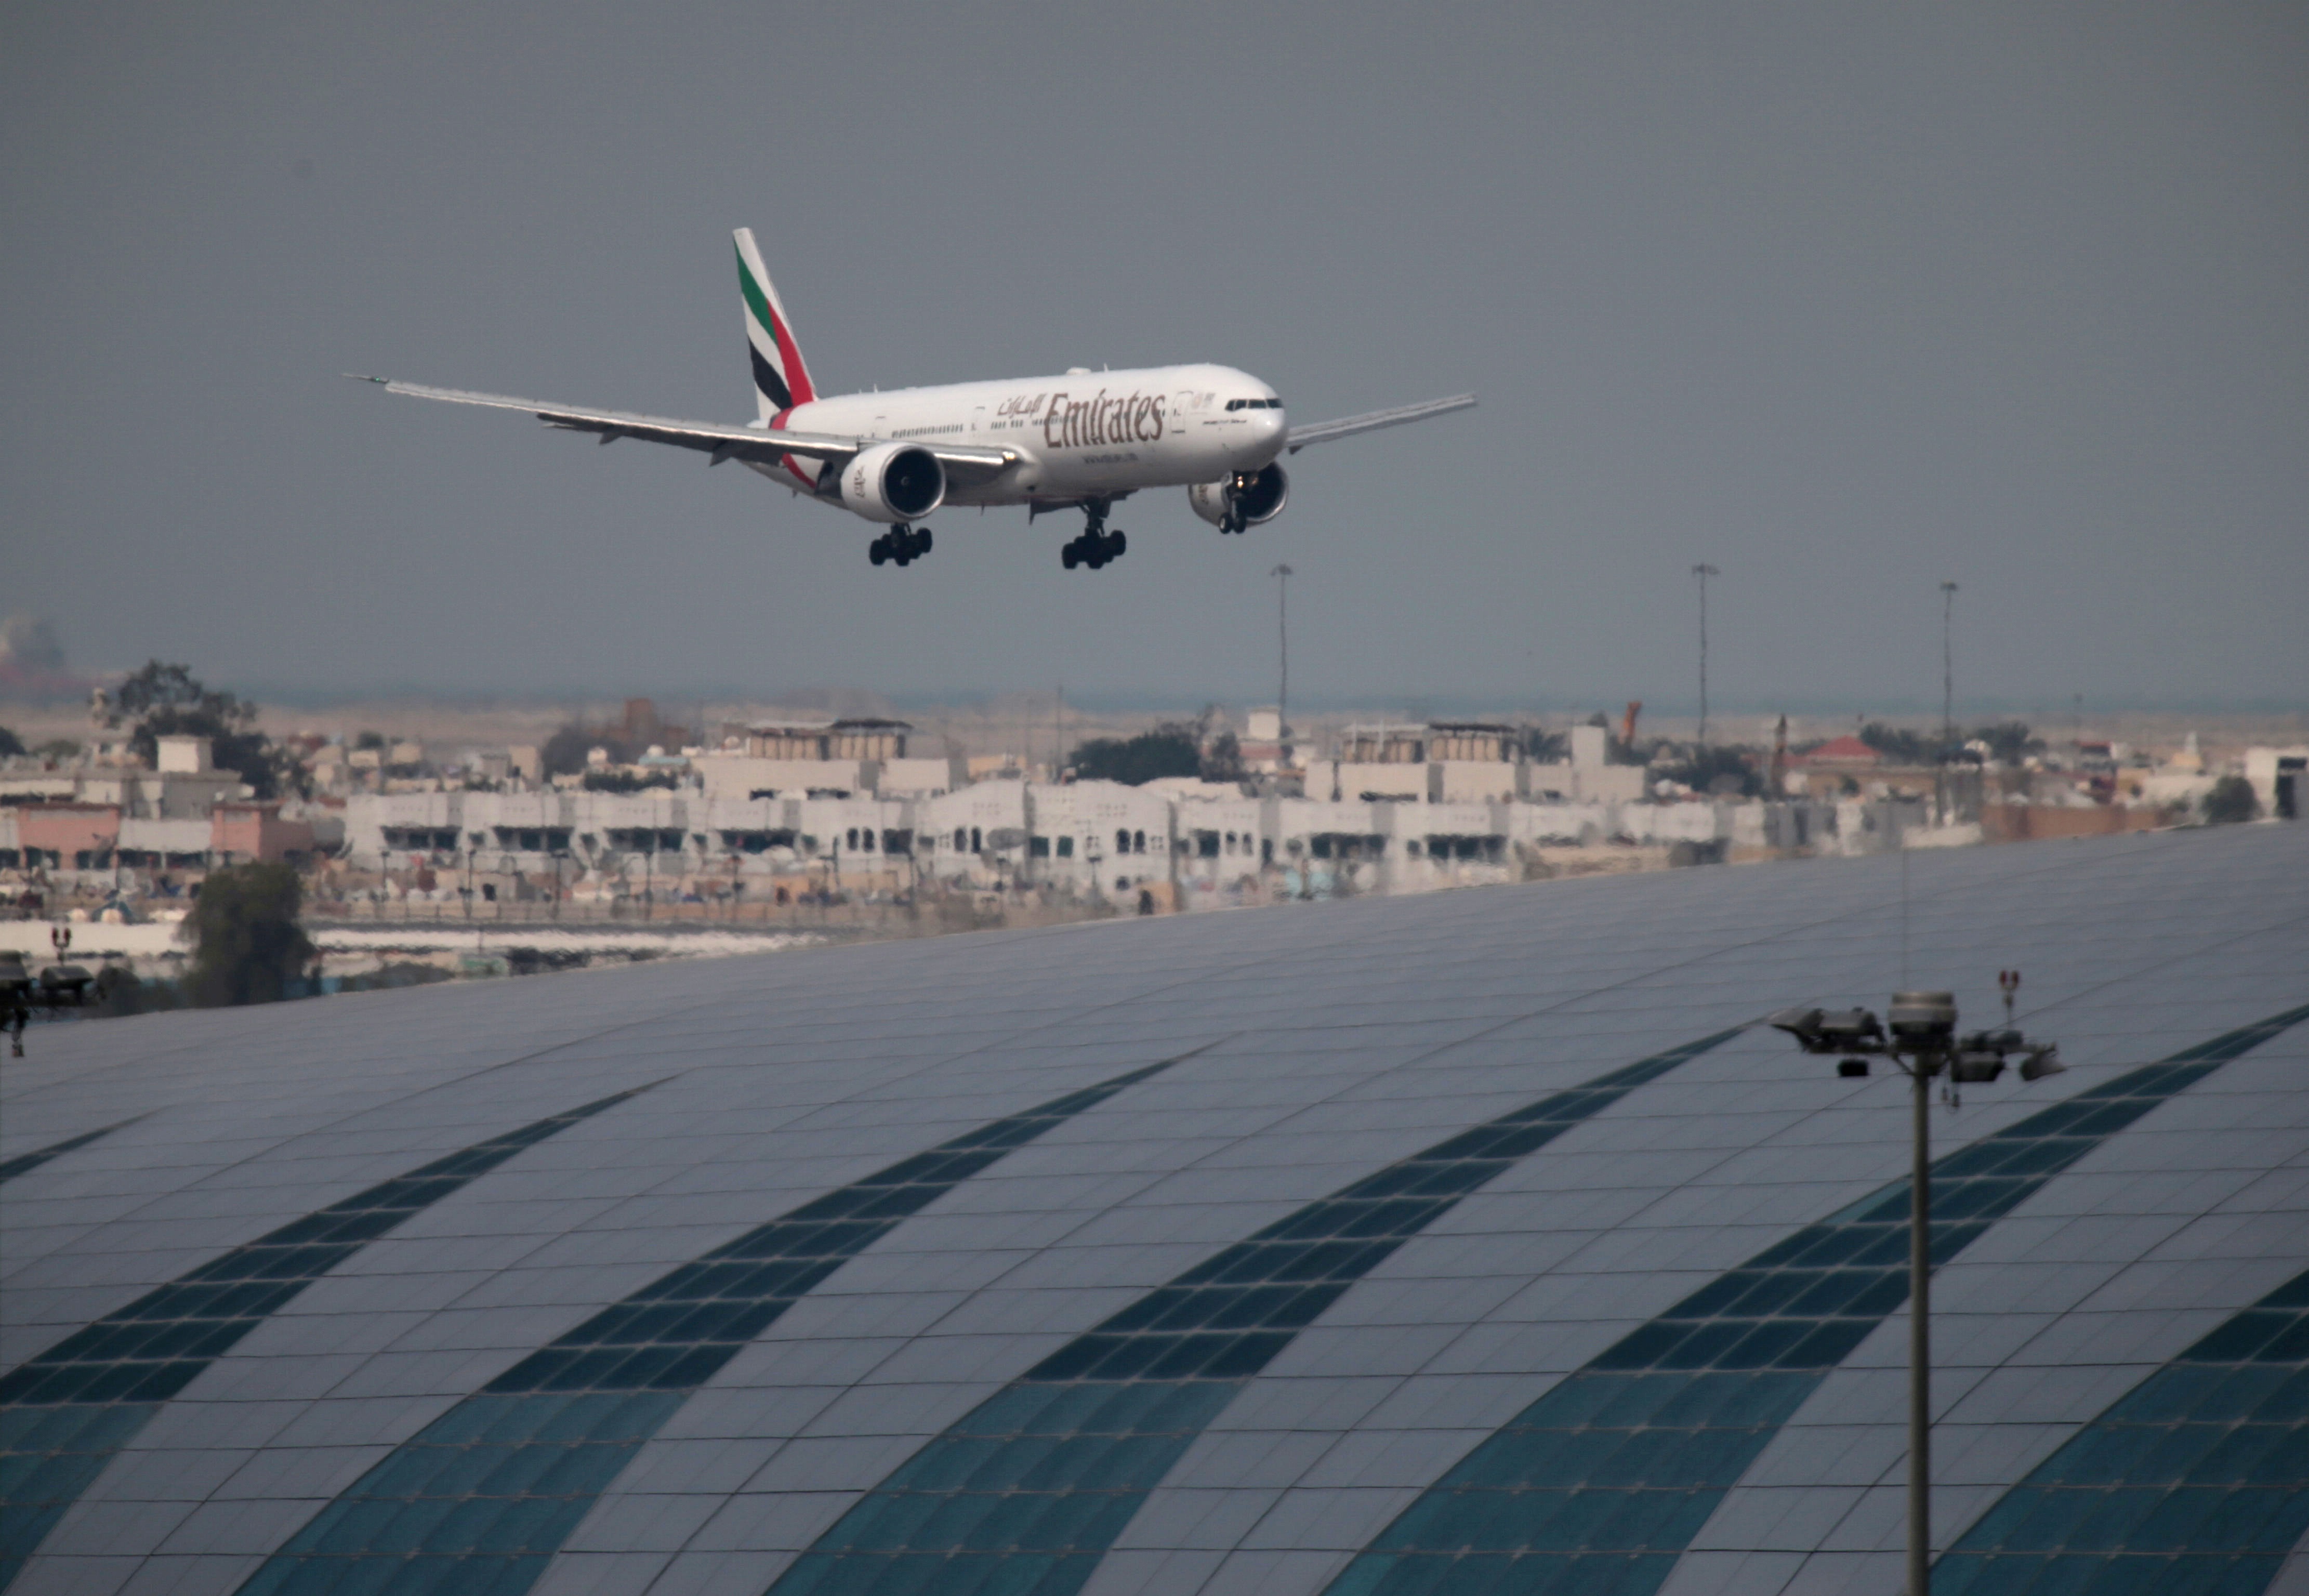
1846	750
1846	765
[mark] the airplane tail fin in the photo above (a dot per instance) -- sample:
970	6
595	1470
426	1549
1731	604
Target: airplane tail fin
781	379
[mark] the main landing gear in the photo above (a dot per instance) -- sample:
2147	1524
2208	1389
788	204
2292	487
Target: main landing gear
902	543
1096	546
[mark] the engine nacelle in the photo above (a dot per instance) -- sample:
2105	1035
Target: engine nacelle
893	482
1257	497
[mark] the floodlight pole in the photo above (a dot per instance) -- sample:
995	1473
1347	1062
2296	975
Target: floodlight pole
1922	1042
1282	574
1920	1346
1920	1061
1948	700
1948	668
1703	573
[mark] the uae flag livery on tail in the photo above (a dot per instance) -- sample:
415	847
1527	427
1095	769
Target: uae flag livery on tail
781	376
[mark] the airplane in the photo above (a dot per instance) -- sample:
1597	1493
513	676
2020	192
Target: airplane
1078	441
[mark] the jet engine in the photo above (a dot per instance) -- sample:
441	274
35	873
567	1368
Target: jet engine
893	482
1246	499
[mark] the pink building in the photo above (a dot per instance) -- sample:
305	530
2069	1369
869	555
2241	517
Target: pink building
241	833
67	836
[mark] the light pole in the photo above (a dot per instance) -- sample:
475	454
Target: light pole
1948	668
1922	1042
1948	697
1282	574
1703	572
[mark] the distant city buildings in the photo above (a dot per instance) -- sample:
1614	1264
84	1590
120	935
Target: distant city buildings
802	809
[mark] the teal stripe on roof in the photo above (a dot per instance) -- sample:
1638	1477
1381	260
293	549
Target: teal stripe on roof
1030	1488
64	1413
481	1497
24	1163
1603	1482
2198	1479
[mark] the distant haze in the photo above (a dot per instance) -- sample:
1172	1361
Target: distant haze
1845	301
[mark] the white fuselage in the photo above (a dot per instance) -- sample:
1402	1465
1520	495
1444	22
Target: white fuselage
1085	435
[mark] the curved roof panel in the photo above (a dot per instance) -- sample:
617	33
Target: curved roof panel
1423	1243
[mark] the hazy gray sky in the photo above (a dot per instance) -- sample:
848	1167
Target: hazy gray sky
1846	300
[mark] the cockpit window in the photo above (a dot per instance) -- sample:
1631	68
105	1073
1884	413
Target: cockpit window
1254	404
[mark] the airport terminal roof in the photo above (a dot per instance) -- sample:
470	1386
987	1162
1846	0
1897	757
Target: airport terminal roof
1478	1241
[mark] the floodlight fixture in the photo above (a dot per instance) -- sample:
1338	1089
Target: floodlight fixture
1851	1030
1971	1068
1832	1030
1923	1020
1798	1023
2042	1061
1852	1069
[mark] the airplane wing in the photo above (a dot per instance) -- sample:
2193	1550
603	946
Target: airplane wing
967	463
1347	427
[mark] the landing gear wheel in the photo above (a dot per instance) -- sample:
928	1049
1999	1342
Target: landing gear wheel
879	550
923	541
1071	555
1117	544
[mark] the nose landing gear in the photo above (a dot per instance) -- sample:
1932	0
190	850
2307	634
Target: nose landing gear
1096	546
1237	519
902	543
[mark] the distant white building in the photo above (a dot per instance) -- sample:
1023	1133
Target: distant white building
2281	780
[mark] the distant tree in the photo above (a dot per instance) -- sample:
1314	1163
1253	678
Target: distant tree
58	747
164	700
1170	749
118	994
626	780
1548	748
1899	745
2231	800
370	740
10	743
1719	768
2011	741
564	751
248	943
1222	759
